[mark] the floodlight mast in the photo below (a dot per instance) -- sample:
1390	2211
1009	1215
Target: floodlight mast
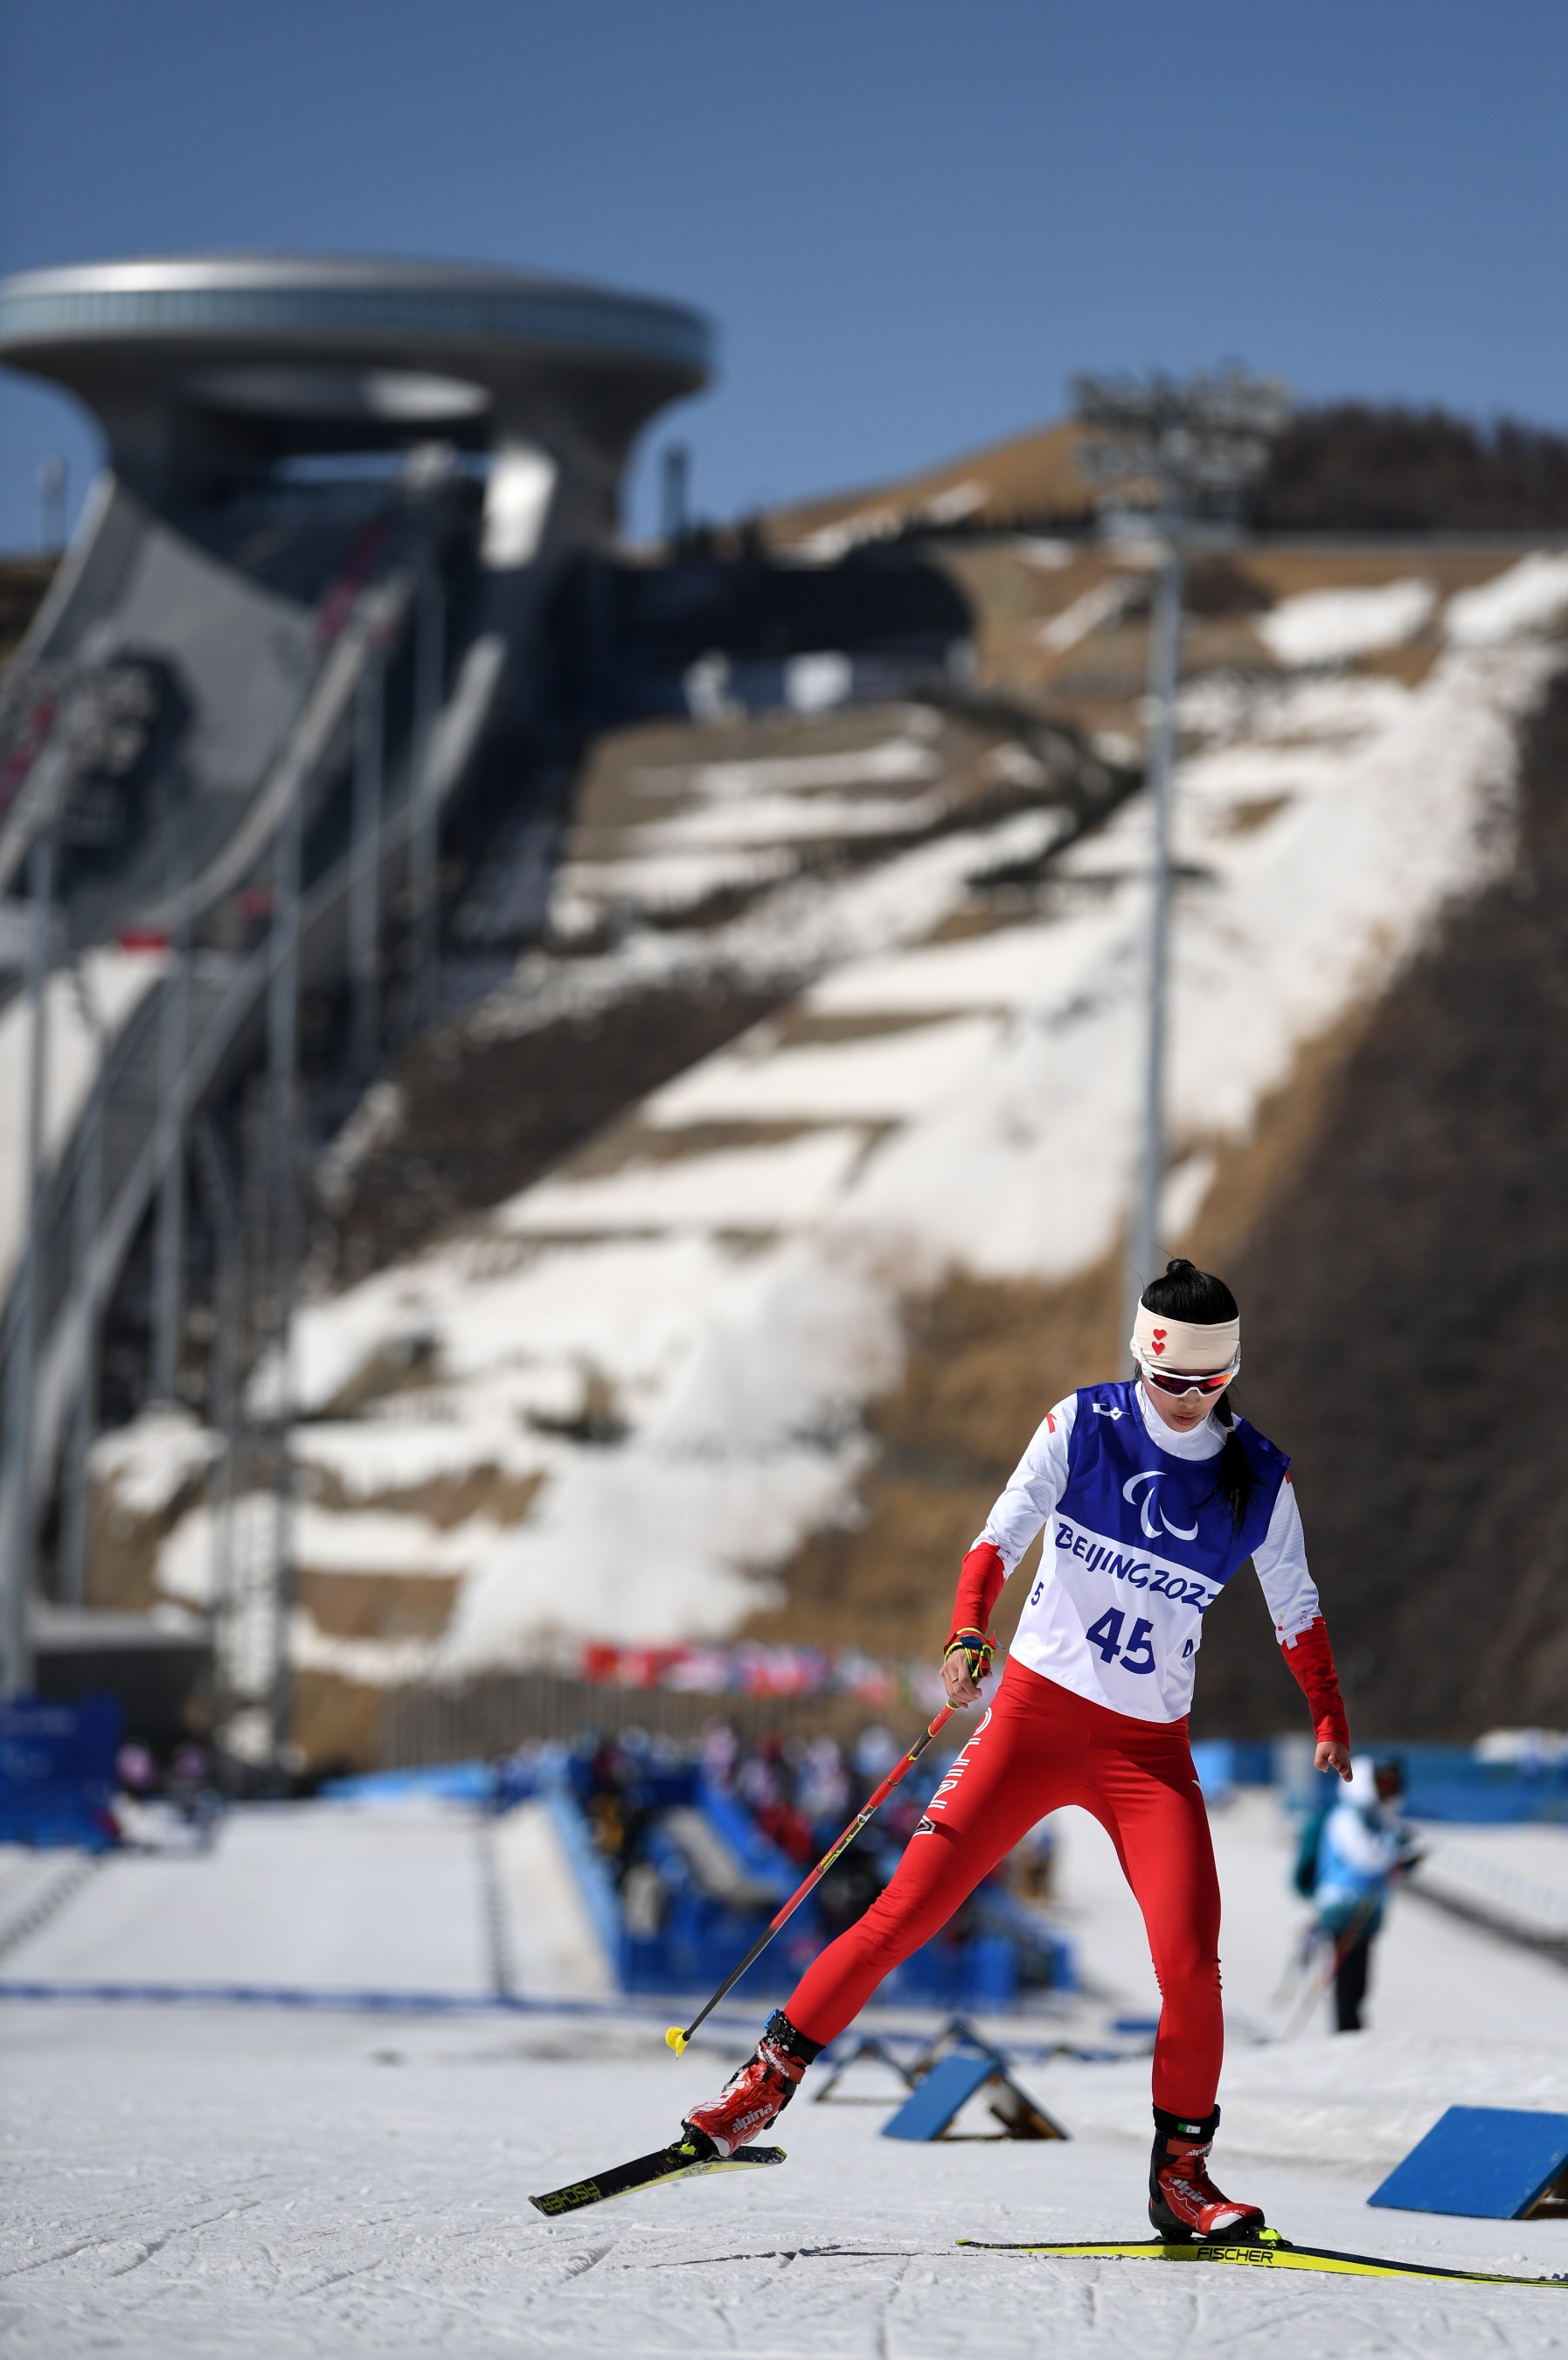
1183	448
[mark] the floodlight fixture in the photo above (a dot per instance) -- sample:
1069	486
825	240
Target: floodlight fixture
1191	442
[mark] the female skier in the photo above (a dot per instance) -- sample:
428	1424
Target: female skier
1153	1494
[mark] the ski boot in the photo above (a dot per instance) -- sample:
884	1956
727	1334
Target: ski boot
755	2097
1184	2205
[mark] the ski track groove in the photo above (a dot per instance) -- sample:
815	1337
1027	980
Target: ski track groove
579	2268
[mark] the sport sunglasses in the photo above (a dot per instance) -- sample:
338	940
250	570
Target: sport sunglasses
1169	1381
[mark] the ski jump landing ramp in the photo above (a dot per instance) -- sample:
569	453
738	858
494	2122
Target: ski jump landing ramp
304	456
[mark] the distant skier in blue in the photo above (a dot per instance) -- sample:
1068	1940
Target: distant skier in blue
1363	1846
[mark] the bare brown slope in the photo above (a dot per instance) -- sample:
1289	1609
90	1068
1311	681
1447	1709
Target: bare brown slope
1027	477
1405	1295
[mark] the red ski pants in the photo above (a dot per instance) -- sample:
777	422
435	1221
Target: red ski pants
1037	1747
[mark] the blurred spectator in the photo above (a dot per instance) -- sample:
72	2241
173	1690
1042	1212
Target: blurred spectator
721	1749
618	1803
875	1751
193	1789
765	1780
822	1792
135	1769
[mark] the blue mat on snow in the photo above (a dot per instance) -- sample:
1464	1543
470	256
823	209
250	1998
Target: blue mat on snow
933	2104
1488	2163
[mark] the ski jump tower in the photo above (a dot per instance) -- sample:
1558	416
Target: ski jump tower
306	613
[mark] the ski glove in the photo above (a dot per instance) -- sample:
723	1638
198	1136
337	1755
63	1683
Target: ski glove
975	1647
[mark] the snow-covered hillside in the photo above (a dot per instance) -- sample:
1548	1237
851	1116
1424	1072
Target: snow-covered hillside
645	1376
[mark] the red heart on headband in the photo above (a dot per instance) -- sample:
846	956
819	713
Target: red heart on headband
1160	1336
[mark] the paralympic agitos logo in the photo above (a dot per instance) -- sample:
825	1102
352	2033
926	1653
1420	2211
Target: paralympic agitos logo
1151	1515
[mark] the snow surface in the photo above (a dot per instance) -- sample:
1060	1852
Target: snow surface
315	1897
1327	625
1048	556
551	1943
199	2179
744	782
664	884
1530	594
878	1080
336	1541
1519	1876
754	1442
1010	969
1102	604
789	819
735	1188
145	1466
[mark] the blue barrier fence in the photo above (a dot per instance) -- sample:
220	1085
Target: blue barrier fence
1450	1782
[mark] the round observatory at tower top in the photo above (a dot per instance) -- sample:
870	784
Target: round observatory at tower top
203	359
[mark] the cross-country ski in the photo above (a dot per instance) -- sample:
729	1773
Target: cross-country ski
682	2161
1266	2251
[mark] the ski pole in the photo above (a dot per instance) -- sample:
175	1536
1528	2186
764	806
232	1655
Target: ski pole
677	2039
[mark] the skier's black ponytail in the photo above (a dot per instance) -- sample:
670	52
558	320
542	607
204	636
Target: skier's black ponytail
1188	1293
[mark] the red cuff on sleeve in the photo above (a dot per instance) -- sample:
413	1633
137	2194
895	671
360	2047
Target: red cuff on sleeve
1311	1661
980	1583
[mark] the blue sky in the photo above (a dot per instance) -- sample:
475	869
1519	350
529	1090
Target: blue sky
911	219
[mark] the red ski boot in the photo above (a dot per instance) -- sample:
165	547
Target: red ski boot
755	2097
1183	2203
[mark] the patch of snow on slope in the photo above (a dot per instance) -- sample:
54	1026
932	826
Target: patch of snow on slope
755	1445
894	759
1327	625
1530	594
1103	604
735	1188
503	1327
374	1124
878	1080
1027	1169
145	1466
794	935
1018	966
662	884
403	1449
794	819
356	1541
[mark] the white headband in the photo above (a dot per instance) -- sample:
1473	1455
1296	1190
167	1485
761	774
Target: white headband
1182	1344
